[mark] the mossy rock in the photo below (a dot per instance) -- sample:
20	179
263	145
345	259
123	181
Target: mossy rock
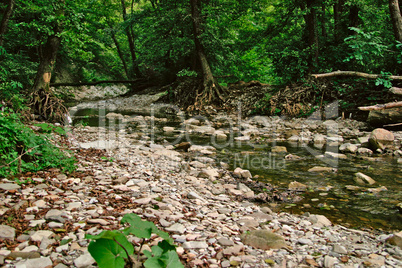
263	239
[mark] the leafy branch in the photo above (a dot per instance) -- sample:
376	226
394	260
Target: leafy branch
112	249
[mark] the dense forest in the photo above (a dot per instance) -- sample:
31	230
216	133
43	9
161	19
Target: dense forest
217	42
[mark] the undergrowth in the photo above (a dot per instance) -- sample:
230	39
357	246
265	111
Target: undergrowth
22	150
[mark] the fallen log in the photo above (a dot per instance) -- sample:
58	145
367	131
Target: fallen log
381	106
357	74
396	90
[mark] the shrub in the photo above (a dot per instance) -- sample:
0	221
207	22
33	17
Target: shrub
22	150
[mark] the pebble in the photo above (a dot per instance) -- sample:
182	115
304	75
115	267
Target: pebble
204	208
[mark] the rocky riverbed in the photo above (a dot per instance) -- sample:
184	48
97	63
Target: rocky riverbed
206	208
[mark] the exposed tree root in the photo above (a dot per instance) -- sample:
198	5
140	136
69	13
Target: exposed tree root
47	105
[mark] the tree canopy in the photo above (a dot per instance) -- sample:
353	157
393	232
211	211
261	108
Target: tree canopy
220	41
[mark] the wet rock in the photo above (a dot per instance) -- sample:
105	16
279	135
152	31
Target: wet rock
263	239
381	138
184	146
168	130
297	186
349	148
364	151
335	155
246	174
114	116
377	190
292	157
361	178
321	169
279	149
7	232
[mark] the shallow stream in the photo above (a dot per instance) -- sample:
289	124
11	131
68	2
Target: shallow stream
326	191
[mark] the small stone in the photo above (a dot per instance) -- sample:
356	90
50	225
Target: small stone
193	195
55	225
35	223
263	239
43	262
245	174
143	201
55	215
39	235
168	130
7	232
329	262
176	228
319	220
9	186
225	242
234	250
304	241
84	260
195	244
98	221
339	249
74	205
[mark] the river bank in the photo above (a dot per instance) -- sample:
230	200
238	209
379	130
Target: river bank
205	207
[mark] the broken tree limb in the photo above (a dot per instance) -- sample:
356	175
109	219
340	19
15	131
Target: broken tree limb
356	74
381	106
396	90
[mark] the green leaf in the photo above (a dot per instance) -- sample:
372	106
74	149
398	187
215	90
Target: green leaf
107	253
138	227
105	235
164	255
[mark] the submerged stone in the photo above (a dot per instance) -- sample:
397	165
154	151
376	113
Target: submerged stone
263	239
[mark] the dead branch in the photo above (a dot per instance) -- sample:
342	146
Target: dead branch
393	125
353	73
381	106
396	90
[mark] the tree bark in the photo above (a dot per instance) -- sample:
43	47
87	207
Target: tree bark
396	19
311	25
44	73
353	73
5	19
211	91
121	56
381	106
130	37
338	10
396	90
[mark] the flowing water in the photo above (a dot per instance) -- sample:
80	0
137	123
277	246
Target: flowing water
326	194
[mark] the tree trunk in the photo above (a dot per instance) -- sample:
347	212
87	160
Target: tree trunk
121	56
322	18
338	21
5	19
311	25
130	37
44	73
396	19
211	89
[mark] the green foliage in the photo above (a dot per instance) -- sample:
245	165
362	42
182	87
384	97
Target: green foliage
23	150
367	47
263	106
384	80
112	249
186	72
48	128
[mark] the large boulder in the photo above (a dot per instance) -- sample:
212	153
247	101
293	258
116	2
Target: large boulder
383	117
381	138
